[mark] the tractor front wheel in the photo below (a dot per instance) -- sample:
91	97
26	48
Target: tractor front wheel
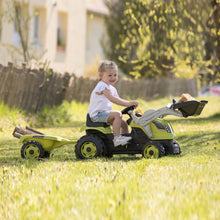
173	147
32	149
153	151
176	147
89	146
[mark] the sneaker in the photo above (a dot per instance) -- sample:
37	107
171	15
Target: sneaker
121	140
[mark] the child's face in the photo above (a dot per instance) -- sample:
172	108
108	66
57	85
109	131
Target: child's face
110	76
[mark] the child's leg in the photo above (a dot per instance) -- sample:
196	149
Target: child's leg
115	117
124	126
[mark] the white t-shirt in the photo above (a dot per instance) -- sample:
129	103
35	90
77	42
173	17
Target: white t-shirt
98	102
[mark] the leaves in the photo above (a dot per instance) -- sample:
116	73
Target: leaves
161	31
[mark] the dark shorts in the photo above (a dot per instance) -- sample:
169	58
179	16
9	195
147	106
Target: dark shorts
101	117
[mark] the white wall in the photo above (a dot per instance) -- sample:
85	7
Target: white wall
73	59
95	32
84	30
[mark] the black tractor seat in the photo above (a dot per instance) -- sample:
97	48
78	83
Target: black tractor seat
90	123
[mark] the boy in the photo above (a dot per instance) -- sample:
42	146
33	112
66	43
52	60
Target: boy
102	99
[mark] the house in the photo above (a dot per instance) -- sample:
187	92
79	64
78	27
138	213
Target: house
65	33
95	30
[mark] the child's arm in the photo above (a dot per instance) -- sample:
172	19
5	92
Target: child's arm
117	100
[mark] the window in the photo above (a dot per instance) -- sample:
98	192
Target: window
38	27
36	30
16	37
61	31
95	33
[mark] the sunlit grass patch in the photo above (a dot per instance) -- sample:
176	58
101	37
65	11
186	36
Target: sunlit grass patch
123	187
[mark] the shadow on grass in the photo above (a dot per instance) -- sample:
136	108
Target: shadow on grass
200	143
11	157
33	163
10	152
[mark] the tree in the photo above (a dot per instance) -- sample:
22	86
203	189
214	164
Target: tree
213	40
145	44
156	38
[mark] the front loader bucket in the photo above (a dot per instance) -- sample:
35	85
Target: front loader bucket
190	108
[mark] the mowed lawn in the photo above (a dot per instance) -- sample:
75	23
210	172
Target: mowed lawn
123	187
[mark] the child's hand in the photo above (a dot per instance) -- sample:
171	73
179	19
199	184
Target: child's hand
134	102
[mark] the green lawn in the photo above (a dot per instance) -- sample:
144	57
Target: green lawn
123	187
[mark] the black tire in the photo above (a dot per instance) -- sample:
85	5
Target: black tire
32	149
174	148
89	146
153	151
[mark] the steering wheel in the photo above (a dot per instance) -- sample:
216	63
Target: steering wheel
127	109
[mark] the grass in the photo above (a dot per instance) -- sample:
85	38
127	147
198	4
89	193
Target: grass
123	187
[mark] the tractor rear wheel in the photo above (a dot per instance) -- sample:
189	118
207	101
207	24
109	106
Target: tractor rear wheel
89	146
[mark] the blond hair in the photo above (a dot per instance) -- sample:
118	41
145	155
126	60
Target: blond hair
107	64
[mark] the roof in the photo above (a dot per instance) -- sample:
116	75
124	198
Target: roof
97	6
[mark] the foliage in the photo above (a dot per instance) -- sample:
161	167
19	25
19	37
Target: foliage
123	187
212	35
64	113
9	118
151	38
47	117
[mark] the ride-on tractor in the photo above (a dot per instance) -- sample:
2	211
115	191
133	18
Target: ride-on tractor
152	136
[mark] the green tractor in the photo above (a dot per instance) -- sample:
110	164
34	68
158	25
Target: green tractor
152	136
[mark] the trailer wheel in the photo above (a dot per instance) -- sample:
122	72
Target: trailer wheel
153	150
32	149
89	146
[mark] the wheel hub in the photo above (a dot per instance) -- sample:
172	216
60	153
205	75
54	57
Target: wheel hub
151	152
88	149
31	152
